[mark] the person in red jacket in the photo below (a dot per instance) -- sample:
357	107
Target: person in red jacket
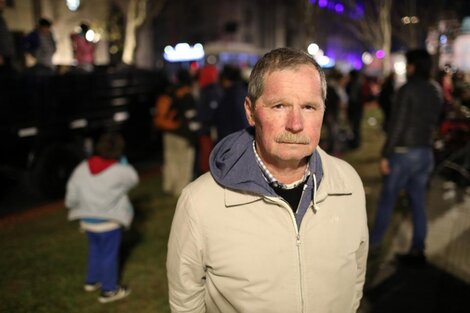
83	49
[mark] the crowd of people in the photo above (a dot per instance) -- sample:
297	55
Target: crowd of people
348	94
196	111
37	48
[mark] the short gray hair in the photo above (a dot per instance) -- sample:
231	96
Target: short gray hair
280	59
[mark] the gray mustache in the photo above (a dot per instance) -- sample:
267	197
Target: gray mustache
292	138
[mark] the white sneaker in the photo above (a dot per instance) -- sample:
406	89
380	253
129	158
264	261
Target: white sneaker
91	287
110	296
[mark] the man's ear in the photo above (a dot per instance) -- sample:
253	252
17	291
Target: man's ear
249	112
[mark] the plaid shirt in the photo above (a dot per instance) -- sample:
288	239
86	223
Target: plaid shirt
272	180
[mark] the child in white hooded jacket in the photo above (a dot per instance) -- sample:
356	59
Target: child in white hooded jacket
97	196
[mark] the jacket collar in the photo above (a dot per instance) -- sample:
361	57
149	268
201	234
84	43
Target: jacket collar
332	183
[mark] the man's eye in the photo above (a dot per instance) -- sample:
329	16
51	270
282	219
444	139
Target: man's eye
310	107
278	106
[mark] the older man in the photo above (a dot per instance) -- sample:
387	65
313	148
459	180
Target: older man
277	225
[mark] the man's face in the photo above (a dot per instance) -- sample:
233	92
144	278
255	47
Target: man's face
288	116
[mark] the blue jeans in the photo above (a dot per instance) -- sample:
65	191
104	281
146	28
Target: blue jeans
103	258
409	171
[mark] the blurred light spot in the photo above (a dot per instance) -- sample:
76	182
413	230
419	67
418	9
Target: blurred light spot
79	123
414	20
183	52
322	3
120	116
443	39
212	59
400	67
367	58
313	48
28	132
339	7
372	121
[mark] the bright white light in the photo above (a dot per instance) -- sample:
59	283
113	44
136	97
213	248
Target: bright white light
325	61
168	49
400	67
367	58
183	52
120	116
73	5
313	48
90	35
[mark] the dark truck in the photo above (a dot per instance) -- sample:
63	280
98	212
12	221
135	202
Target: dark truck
48	123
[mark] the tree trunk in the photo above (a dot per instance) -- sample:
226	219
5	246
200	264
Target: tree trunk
386	27
136	13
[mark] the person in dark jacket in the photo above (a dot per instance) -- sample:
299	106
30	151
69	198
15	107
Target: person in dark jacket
40	44
355	107
385	98
230	115
407	155
179	140
210	95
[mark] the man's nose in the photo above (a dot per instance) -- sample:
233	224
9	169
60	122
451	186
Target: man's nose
295	121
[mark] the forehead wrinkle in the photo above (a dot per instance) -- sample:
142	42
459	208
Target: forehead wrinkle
283	90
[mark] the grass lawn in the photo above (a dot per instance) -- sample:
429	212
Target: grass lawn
43	259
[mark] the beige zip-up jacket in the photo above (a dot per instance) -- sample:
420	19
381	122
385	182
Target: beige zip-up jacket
237	252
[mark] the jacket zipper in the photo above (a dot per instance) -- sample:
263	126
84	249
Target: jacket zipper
298	243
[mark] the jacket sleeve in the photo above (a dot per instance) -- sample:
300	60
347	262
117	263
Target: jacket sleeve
71	193
185	266
131	178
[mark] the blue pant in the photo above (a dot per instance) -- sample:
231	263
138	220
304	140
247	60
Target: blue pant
103	258
409	171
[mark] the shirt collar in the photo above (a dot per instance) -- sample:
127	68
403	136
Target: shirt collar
272	180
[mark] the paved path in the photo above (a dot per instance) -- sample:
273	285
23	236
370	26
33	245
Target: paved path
443	285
